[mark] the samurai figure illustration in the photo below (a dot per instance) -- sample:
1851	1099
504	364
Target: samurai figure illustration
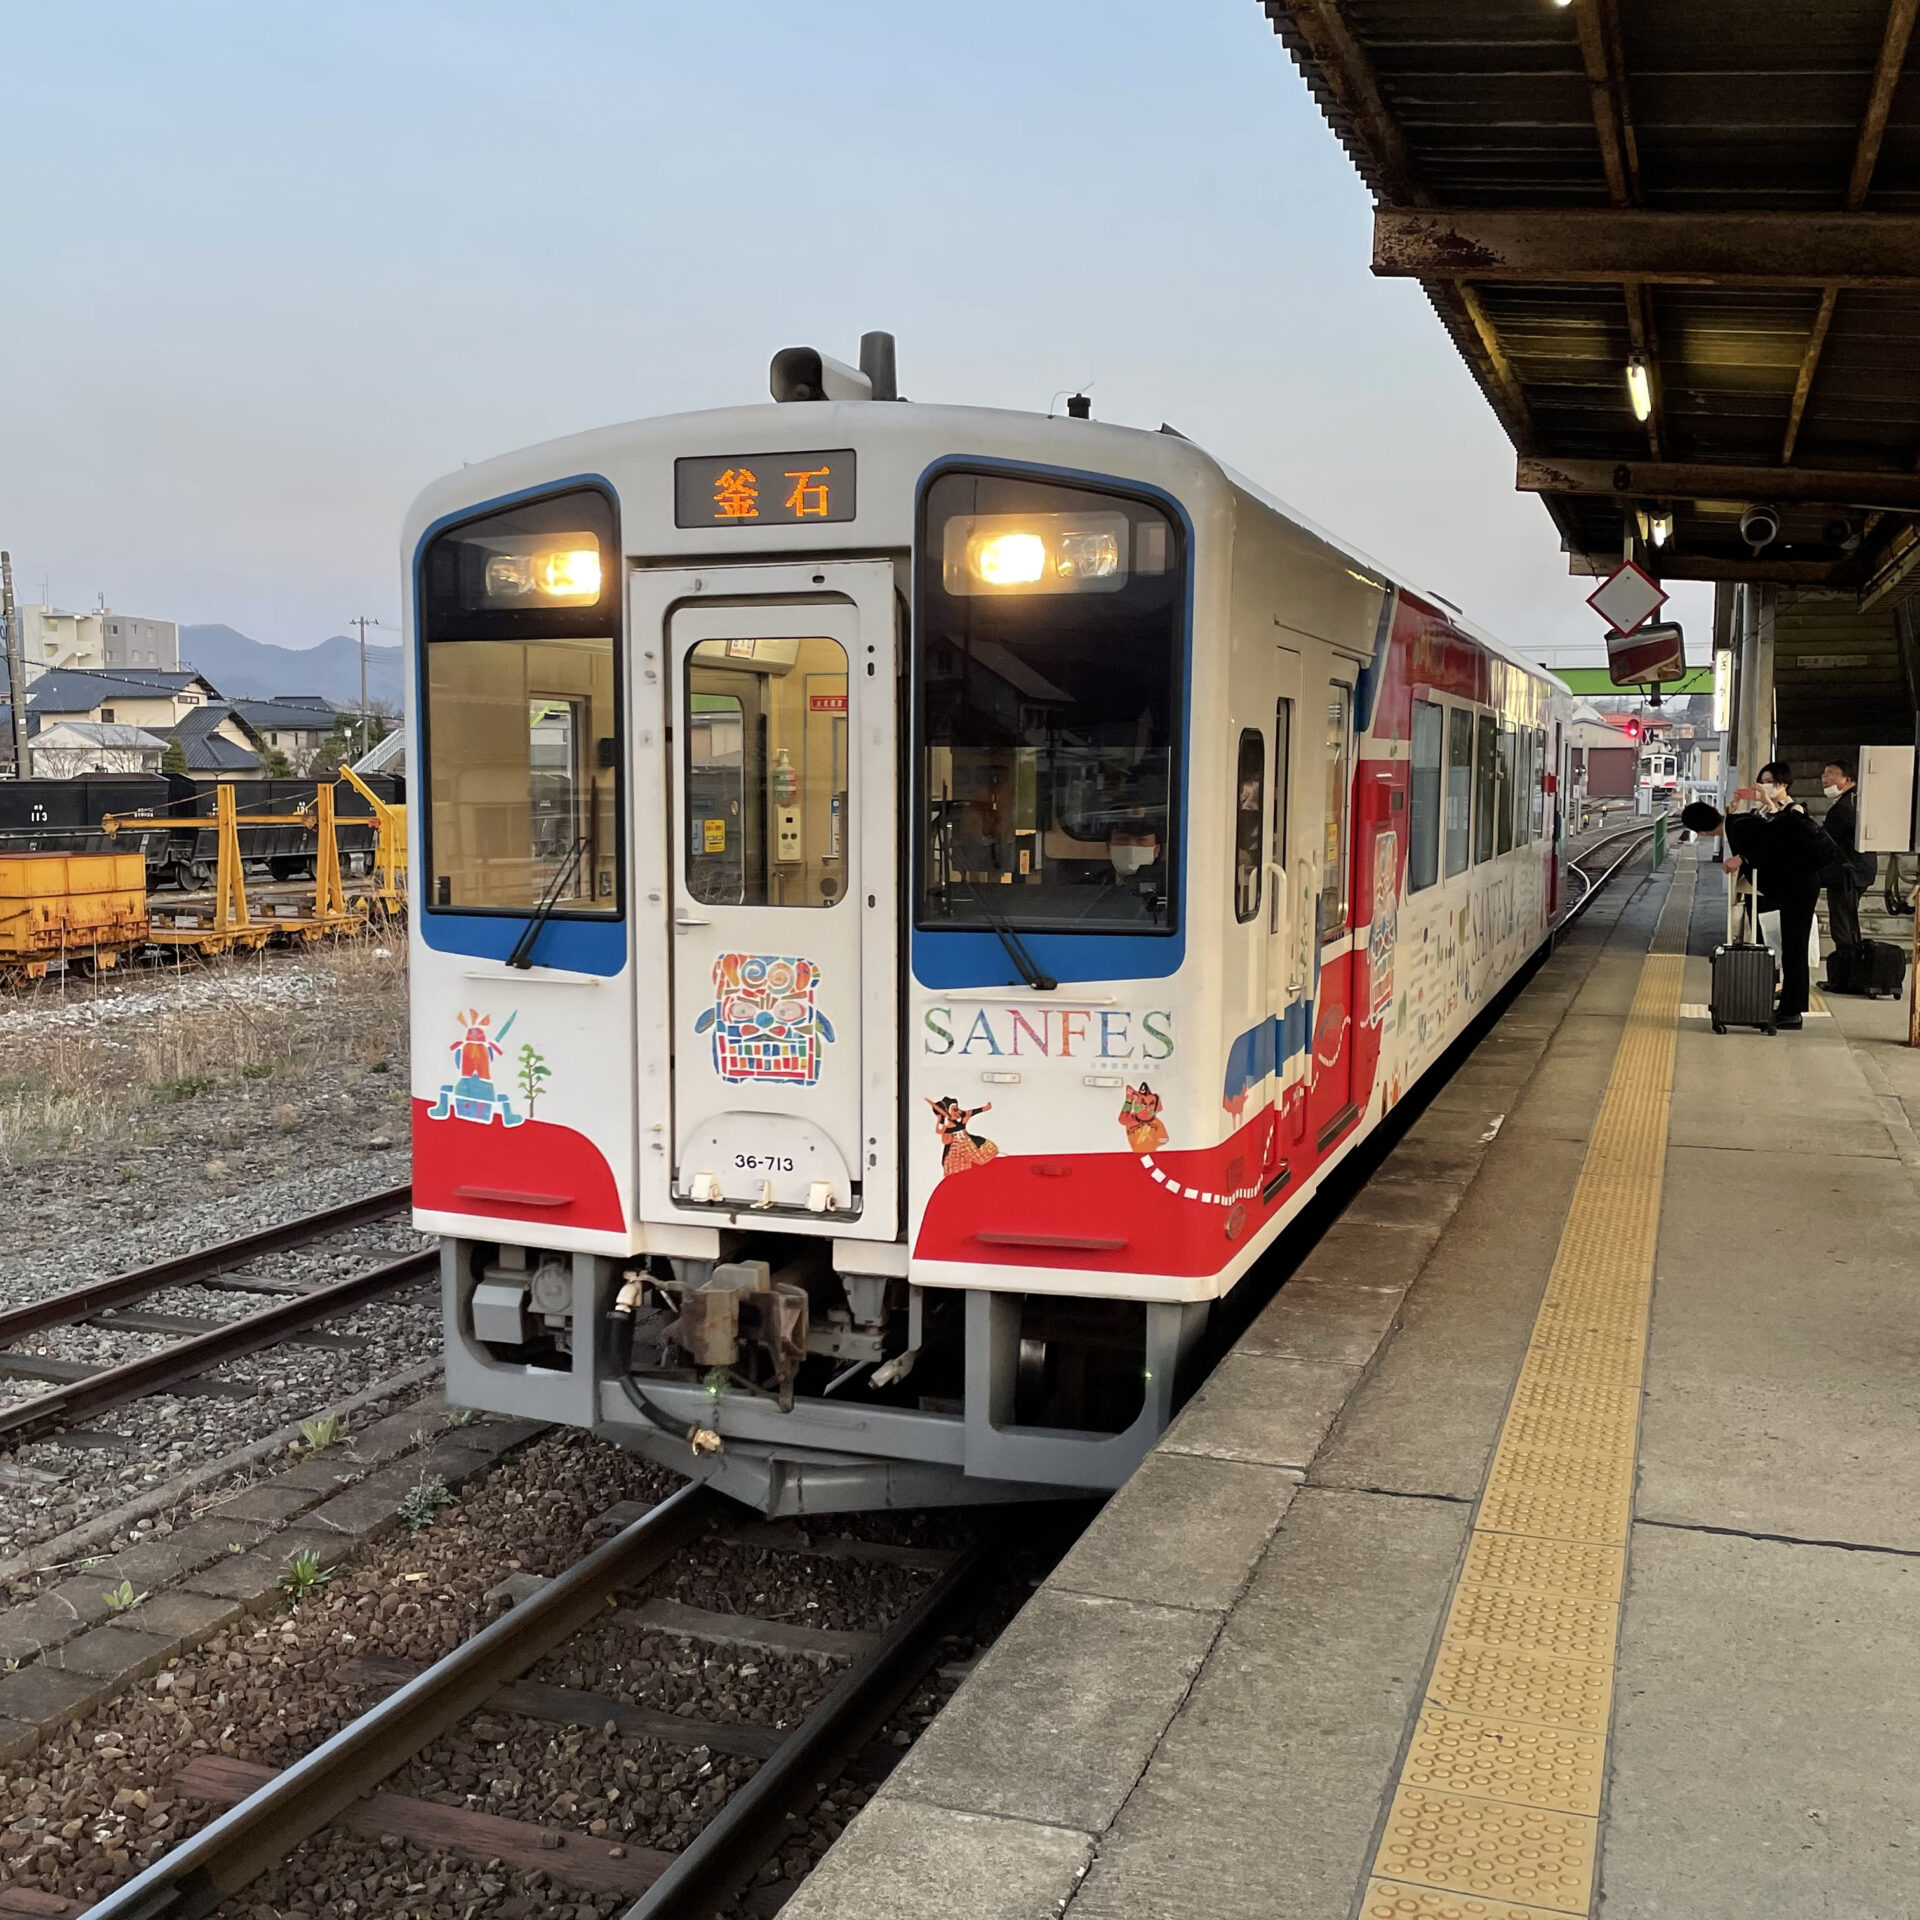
1140	1115
959	1149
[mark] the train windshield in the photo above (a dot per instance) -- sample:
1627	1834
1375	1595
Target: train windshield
520	731
1048	686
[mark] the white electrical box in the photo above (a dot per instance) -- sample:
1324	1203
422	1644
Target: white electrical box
787	833
1886	800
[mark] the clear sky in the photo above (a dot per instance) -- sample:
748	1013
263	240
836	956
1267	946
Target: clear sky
271	269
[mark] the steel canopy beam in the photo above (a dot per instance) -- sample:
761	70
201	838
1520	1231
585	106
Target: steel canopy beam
1695	566
1694	480
1603	246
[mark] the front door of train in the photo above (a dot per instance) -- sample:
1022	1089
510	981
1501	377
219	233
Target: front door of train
782	821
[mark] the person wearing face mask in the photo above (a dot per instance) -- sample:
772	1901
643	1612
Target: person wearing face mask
1855	871
1789	854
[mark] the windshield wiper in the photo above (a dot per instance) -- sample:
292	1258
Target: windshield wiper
1024	962
522	954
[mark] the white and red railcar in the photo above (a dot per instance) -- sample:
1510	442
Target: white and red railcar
911	900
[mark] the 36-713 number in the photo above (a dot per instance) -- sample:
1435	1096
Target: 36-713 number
764	1162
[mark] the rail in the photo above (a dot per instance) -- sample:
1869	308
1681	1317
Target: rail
185	1360
247	1839
82	1303
1637	833
259	1831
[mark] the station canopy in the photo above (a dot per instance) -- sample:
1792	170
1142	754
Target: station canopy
1679	247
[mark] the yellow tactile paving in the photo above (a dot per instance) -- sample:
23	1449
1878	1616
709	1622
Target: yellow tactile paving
1534	1622
1388	1901
1503	1683
1506	1760
1491	1848
1545	1566
1495	1814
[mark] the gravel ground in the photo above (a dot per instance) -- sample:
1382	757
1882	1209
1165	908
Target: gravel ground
94	1806
52	1486
146	1114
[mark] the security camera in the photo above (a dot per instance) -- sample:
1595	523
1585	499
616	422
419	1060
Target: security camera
1760	527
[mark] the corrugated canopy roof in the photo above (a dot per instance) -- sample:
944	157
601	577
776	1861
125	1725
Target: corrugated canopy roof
1729	193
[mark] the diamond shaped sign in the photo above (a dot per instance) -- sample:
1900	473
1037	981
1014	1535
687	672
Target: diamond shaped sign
1627	598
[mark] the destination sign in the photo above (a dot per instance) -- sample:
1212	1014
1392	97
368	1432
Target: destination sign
763	489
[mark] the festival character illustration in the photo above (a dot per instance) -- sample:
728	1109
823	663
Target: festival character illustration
765	1025
472	1095
1140	1115
959	1149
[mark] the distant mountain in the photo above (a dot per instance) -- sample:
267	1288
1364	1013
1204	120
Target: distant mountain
246	669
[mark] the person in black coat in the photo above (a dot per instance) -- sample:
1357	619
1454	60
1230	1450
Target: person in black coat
1854	874
1790	856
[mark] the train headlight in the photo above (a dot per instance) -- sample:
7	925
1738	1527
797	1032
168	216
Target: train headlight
565	575
1087	556
1007	559
993	553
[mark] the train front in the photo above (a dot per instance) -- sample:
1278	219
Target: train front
798	954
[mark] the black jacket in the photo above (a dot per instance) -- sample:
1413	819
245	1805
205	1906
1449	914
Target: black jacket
1788	851
1842	827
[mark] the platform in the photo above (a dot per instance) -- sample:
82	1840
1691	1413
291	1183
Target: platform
1550	1545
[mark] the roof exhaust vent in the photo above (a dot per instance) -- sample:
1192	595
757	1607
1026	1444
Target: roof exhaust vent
805	373
876	362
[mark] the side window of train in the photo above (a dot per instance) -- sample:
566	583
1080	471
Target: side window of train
1505	768
1282	783
1249	823
1540	766
1485	783
1459	789
1423	827
1333	874
1522	787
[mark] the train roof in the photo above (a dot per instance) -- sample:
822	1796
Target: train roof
629	454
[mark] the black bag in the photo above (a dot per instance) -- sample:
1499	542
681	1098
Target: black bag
1742	987
1879	967
1842	970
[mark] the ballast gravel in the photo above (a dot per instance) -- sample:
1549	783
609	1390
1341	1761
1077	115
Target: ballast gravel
96	1804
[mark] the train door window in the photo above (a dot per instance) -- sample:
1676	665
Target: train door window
1249	823
1539	787
765	789
1282	818
1485	784
1459	793
1423	821
1333	876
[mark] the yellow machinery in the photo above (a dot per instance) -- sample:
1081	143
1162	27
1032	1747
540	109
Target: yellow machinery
390	846
233	925
86	909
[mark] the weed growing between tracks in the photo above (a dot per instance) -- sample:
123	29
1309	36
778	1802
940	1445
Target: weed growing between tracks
205	1053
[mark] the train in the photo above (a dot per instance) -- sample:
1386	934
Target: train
172	821
911	901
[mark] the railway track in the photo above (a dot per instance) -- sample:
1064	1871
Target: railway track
340	1782
104	1303
1636	834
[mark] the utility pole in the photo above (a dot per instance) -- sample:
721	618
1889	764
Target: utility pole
16	665
363	622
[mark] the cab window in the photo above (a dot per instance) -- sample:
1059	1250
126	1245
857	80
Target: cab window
1049	669
520	729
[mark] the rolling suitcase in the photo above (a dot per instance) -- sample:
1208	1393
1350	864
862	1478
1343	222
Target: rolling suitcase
1879	967
1742	994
